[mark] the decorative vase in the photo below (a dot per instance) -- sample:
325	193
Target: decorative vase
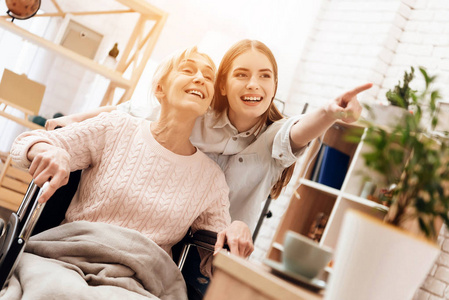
377	261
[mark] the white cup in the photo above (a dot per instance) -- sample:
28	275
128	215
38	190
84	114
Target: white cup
304	256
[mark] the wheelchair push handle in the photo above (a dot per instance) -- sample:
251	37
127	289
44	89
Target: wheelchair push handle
42	189
36	211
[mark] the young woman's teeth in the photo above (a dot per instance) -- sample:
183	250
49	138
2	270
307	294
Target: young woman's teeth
252	99
198	93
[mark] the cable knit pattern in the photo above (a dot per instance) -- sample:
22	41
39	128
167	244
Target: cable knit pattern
130	180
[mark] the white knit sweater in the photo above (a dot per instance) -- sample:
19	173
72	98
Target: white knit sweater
130	180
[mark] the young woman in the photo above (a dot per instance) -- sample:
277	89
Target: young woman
141	175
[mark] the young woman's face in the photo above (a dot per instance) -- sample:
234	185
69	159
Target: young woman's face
190	85
249	87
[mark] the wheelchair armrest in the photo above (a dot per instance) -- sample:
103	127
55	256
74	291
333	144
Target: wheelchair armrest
205	239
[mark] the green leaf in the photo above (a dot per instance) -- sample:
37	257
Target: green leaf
424	227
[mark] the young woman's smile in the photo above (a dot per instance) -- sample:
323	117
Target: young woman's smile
252	99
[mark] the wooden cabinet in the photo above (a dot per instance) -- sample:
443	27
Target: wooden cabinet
313	198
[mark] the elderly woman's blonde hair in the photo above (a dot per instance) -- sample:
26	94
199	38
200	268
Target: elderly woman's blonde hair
171	62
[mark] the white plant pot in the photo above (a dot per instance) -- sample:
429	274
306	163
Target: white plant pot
376	261
387	115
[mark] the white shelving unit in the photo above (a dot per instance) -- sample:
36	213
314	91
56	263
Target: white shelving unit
315	198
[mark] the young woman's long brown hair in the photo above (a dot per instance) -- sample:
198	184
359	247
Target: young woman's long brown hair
220	103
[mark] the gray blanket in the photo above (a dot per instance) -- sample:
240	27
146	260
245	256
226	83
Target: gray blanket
83	260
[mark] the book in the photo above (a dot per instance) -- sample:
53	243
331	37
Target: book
333	167
318	161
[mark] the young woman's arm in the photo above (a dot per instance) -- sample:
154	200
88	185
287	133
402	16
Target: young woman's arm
66	120
314	124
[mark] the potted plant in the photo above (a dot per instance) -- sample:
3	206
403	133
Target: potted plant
401	95
412	158
381	260
400	101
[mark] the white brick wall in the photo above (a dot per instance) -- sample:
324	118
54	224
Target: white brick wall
436	286
358	41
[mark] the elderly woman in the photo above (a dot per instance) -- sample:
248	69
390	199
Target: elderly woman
140	175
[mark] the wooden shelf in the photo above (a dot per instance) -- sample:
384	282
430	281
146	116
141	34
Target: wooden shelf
113	75
133	58
366	202
324	188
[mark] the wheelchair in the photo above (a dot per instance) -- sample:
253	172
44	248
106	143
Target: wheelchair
32	218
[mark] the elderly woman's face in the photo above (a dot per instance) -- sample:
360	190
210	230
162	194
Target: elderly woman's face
190	85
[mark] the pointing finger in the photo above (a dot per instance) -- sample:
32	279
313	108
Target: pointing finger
359	89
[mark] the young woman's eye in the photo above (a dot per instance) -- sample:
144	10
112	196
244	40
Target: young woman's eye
240	75
266	75
188	70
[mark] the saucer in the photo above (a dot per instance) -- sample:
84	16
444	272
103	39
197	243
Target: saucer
280	270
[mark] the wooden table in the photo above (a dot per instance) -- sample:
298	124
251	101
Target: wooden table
236	278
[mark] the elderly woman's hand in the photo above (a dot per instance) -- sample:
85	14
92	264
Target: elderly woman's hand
238	238
346	107
49	163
